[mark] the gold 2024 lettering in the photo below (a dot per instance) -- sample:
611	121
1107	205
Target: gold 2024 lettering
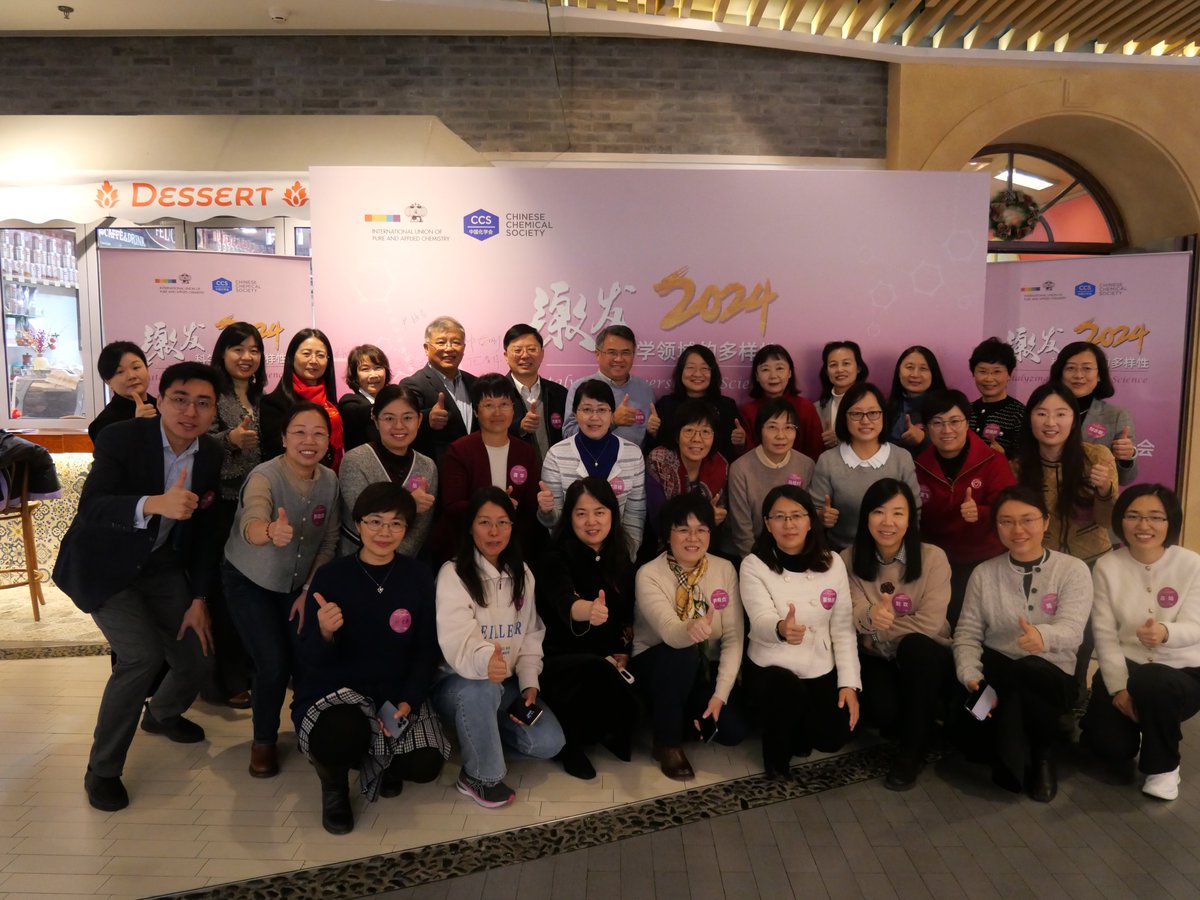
714	304
1113	336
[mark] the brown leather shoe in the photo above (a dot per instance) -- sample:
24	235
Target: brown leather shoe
264	761
240	700
674	763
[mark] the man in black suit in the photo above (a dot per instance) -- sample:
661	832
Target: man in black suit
542	408
139	557
445	390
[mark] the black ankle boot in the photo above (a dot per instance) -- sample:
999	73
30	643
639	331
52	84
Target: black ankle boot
1043	778
336	815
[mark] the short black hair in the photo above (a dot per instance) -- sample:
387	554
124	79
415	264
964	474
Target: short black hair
390	393
689	412
624	332
1166	496
855	393
522	330
769	409
110	358
1020	493
385	496
864	560
937	403
675	512
814	555
189	371
370	353
766	352
493	384
863	372
304	406
593	389
1104	386
994	352
710	359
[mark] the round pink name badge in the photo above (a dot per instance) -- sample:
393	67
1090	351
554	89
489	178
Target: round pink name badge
400	620
719	598
618	485
924	494
639	416
1168	597
207	500
991	431
902	605
318	514
1050	604
556	420
976	483
1096	430
518	475
828	598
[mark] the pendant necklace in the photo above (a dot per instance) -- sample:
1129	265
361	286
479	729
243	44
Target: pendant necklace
378	584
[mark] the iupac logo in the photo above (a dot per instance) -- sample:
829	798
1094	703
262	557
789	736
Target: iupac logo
222	285
481	224
106	196
415	212
185	278
1084	290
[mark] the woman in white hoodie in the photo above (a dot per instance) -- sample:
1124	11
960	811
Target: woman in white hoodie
1146	618
491	636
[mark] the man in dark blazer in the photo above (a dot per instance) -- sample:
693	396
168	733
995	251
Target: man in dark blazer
139	557
445	390
541	404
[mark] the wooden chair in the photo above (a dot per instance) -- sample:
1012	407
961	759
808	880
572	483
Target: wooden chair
19	506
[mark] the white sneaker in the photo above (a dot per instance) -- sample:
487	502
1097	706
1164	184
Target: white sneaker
1164	786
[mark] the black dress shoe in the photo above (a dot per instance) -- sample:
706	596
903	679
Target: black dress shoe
175	728
336	815
618	744
674	763
105	792
575	762
391	784
1043	780
903	774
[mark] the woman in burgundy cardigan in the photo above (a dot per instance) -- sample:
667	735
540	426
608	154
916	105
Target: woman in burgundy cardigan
488	457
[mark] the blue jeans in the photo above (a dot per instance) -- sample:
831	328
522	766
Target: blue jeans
478	709
261	618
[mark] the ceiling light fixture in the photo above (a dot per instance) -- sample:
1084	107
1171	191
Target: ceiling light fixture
1024	179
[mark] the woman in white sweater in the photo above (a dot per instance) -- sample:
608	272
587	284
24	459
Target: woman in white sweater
491	636
802	677
1146	619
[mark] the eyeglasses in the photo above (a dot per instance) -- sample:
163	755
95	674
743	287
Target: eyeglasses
618	354
787	518
494	524
772	428
449	343
1024	522
593	411
1080	370
1134	519
685	531
689	432
523	351
871	415
953	424
388	419
374	523
318	355
697	370
182	401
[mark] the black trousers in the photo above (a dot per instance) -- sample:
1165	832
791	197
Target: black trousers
340	737
960	574
676	689
589	697
906	694
231	662
797	714
1163	698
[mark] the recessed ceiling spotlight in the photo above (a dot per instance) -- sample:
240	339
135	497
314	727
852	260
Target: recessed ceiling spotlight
66	11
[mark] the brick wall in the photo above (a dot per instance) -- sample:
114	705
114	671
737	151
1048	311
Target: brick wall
497	93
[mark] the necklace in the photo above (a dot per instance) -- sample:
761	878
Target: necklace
378	584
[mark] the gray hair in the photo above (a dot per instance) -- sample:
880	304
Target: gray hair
444	323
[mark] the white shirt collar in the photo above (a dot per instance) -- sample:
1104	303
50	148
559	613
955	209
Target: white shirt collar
851	459
528	394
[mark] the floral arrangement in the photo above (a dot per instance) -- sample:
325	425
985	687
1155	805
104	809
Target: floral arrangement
38	339
1013	215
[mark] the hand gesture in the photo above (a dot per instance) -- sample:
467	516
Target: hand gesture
720	513
653	423
829	515
913	434
700	630
281	531
738	436
969	510
789	629
1122	448
329	617
1151	633
297	610
243	436
712	711
198	620
1101	476
178	502
423	499
848	699
439	417
545	498
497	669
142	409
973	687
829	438
624	414
599	614
531	420
511	499
1031	639
882	614
1123	701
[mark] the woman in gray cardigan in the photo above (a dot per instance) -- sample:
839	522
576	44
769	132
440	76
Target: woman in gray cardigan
1021	624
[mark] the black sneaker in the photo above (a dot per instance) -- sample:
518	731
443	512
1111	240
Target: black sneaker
575	762
175	728
106	793
492	796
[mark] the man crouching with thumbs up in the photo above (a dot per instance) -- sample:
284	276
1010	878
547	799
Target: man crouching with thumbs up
139	557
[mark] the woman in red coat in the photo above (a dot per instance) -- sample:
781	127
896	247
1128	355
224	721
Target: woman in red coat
775	376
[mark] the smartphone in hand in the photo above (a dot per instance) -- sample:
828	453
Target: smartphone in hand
393	726
981	703
526	715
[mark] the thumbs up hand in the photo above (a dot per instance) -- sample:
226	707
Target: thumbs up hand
545	498
913	434
422	498
1101	477
653	423
829	515
700	630
329	617
509	490
243	436
531	421
829	438
176	503
439	416
280	532
624	414
883	616
1151	633
599	614
1031	639
738	437
789	629
497	669
1122	447
142	409
969	510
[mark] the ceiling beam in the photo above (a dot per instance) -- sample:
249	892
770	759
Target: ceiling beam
893	19
1080	17
969	15
825	15
859	16
754	12
719	8
1033	22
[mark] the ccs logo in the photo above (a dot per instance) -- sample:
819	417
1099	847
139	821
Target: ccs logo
1084	290
481	224
222	285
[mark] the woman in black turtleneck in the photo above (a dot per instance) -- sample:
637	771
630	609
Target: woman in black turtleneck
397	416
1083	368
122	366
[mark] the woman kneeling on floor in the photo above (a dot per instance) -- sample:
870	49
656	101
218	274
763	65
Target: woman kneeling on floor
365	662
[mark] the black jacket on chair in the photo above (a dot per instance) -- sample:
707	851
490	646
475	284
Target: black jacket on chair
103	551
